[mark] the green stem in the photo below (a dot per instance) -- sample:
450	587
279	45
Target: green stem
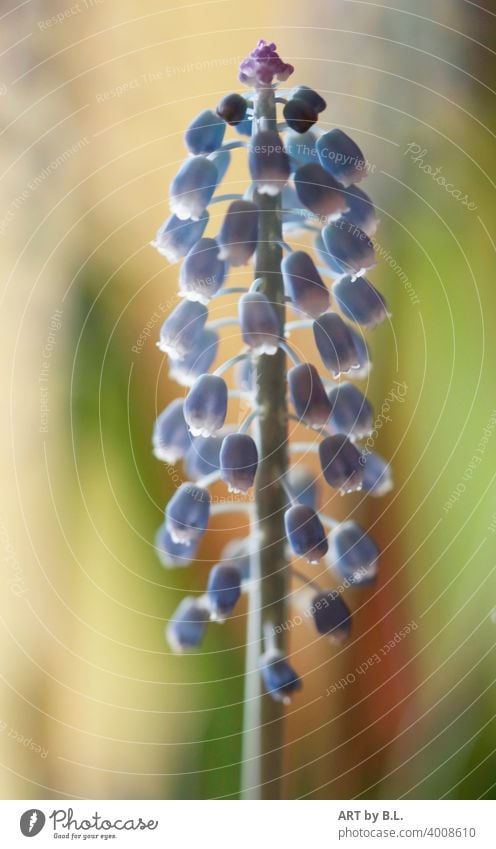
270	592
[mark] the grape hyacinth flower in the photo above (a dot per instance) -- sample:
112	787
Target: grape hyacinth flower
302	179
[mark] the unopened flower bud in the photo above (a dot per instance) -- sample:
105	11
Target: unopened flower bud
341	156
232	108
187	627
361	211
223	590
205	133
280	679
310	96
341	463
262	65
305	533
354	554
299	115
238	461
331	616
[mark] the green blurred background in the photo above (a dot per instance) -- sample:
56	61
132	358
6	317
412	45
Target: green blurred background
94	103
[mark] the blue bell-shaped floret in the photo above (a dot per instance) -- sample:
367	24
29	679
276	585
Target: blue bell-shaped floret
319	191
268	162
335	344
238	461
187	513
203	456
351	250
205	406
171	438
186	628
238	235
341	463
175	237
341	156
308	395
223	590
377	475
359	301
192	188
354	554
259	323
331	615
304	285
172	553
280	679
180	329
202	272
352	413
205	133
305	533
198	360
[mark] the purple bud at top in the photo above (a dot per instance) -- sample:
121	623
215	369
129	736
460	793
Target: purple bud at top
304	486
354	554
203	456
192	188
377	476
309	95
308	395
259	323
187	513
361	211
341	463
335	344
305	533
352	413
341	156
359	301
239	231
171	438
179	330
232	108
202	273
304	285
262	65
268	162
205	406
238	461
299	115
351	250
301	147
331	616
221	160
280	679
319	191
175	237
187	627
172	553
198	360
223	590
205	133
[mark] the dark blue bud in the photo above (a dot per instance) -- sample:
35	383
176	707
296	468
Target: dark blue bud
245	376
238	234
304	486
359	301
280	679
362	352
335	344
319	191
232	108
179	330
305	532
172	553
259	323
223	590
341	463
205	406
361	211
203	456
308	95
238	461
377	476
187	513
192	188
354	555
301	147
205	133
221	160
171	438
308	395
268	162
198	360
341	156
324	255
175	237
299	115
304	285
352	413
351	250
187	627
202	273
331	616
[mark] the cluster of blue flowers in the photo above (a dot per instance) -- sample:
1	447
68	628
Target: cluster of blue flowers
315	176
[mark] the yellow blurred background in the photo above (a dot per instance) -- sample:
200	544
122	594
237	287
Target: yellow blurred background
95	98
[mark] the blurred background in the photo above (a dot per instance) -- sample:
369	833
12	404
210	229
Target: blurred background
94	98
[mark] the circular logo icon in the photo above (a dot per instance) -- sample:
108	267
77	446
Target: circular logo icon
32	822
